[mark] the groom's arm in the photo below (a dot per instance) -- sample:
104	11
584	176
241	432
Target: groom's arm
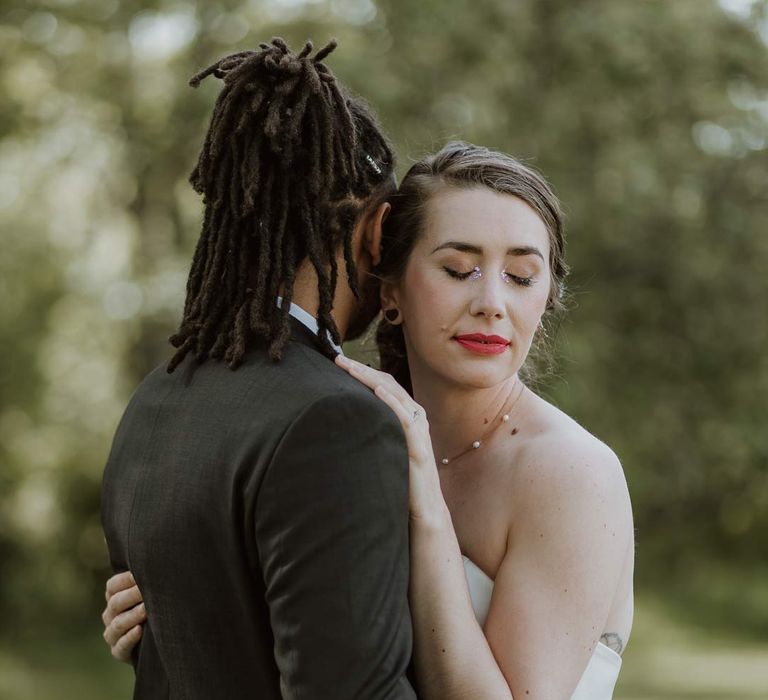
332	533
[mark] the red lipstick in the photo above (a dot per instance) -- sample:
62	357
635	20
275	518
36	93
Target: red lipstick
482	344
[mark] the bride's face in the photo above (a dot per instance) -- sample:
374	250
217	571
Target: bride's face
480	269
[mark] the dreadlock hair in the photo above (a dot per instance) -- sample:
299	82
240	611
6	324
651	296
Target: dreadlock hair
289	164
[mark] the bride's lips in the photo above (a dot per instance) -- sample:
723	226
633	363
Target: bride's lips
482	344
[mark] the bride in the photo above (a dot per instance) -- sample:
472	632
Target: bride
521	534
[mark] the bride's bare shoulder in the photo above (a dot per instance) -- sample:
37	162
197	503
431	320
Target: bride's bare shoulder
559	459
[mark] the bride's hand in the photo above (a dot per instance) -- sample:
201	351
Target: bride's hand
426	498
123	616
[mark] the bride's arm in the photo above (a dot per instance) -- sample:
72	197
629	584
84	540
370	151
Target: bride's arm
552	593
452	658
567	546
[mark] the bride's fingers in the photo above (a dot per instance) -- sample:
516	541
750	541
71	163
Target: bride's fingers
122	649
124	623
119	582
372	378
120	602
412	419
367	375
396	405
411	416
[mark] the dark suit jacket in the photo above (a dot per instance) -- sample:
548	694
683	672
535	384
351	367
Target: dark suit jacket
264	514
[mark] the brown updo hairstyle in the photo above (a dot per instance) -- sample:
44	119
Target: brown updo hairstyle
460	165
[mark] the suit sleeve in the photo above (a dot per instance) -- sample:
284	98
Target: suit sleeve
332	533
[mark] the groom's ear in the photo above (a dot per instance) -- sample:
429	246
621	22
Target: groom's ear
372	232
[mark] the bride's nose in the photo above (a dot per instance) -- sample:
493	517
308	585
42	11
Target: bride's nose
488	295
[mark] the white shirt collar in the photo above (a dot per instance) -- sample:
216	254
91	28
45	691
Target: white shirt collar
309	321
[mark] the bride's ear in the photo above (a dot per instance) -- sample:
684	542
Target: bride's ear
372	233
388	296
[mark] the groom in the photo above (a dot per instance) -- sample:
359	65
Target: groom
264	511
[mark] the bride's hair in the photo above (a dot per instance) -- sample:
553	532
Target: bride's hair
459	165
289	164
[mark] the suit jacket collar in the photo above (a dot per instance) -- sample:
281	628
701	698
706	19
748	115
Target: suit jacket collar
308	320
301	334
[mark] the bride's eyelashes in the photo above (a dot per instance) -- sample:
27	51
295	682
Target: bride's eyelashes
520	281
458	275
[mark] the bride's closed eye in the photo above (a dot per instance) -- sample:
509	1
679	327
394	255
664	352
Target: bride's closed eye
520	281
456	274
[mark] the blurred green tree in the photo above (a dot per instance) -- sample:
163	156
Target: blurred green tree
649	118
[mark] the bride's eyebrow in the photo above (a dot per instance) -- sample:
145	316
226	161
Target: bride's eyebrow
461	247
477	250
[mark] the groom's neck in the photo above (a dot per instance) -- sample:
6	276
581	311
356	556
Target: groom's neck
307	296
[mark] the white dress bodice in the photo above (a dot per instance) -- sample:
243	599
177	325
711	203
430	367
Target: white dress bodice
599	678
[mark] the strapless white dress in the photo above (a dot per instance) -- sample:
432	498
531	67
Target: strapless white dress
598	679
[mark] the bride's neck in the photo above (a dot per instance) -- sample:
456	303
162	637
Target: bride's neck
459	415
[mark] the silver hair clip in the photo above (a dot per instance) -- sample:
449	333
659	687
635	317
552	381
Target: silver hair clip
373	164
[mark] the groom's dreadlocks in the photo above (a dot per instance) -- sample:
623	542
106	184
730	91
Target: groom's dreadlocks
287	164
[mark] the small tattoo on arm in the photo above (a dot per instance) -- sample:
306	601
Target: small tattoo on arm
612	641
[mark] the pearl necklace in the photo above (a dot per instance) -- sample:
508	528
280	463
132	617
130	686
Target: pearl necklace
476	444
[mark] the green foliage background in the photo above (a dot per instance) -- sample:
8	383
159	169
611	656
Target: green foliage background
650	118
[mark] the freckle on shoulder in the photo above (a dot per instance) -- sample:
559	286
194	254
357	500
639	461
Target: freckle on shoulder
560	447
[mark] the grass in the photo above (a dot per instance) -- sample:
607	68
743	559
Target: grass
63	667
666	659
